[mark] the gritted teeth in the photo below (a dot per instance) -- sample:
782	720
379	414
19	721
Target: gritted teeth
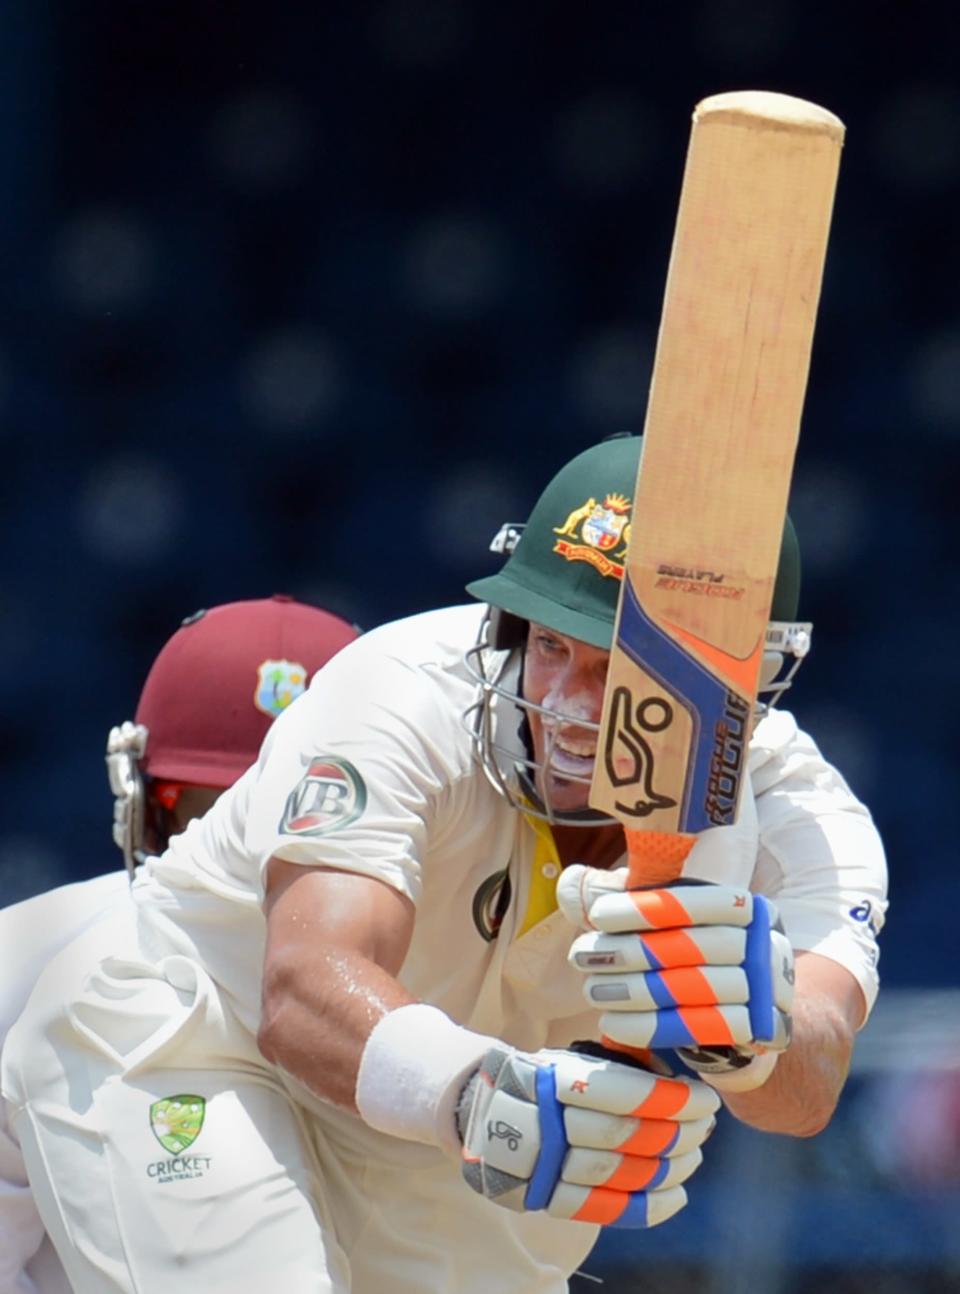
585	749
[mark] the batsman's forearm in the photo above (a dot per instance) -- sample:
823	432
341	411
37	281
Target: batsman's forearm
315	1025
335	944
801	1094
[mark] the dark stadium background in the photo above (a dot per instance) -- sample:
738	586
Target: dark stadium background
310	299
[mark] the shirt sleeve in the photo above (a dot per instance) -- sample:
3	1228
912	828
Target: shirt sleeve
354	775
21	1231
820	858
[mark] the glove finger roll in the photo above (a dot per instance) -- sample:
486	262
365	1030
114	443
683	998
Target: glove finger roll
615	1208
618	1089
652	1138
578	888
682	987
680	906
685	1026
628	1172
660	949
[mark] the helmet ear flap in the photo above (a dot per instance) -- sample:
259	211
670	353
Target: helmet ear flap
506	631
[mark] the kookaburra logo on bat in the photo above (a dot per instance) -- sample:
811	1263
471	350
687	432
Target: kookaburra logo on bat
627	755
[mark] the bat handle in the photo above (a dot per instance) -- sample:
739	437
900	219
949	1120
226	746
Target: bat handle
655	858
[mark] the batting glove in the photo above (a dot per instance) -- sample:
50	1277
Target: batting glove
704	969
588	1139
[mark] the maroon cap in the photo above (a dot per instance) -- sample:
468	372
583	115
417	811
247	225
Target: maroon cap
222	679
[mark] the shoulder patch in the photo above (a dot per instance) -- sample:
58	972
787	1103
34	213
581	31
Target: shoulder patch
330	795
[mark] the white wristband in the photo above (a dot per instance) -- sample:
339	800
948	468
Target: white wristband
412	1071
748	1077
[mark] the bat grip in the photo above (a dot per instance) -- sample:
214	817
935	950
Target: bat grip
655	858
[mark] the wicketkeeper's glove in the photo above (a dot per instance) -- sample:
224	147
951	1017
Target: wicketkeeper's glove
584	1138
703	969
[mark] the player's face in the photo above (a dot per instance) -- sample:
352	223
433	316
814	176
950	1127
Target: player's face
565	676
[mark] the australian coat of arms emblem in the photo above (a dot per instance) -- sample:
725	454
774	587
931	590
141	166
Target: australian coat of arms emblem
598	533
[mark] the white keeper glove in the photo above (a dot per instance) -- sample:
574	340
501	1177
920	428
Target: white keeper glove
702	969
582	1137
126	744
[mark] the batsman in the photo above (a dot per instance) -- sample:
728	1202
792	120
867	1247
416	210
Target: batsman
429	1034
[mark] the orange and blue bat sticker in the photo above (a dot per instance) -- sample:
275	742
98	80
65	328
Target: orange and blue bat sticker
719	717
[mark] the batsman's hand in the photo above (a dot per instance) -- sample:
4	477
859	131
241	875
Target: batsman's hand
587	1139
704	969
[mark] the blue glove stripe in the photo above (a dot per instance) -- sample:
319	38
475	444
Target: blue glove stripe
655	962
658	990
553	1141
757	965
671	1143
671	1031
635	1214
661	1172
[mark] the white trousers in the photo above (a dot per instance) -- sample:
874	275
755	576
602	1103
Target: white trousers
32	932
163	1151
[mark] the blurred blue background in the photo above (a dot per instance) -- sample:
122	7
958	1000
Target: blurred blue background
311	299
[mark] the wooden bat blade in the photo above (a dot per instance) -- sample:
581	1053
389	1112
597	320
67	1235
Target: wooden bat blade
720	438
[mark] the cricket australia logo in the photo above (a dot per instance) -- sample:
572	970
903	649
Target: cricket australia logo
176	1121
278	683
330	795
598	533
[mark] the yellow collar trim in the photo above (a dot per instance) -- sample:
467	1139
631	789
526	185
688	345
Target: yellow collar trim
542	898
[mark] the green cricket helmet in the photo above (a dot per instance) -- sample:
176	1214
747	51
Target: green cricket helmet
564	570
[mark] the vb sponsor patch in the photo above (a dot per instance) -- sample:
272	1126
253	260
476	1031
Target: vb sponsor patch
330	795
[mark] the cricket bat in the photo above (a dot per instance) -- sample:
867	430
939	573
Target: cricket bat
719	443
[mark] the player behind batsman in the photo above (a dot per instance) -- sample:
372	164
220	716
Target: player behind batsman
341	1050
208	700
